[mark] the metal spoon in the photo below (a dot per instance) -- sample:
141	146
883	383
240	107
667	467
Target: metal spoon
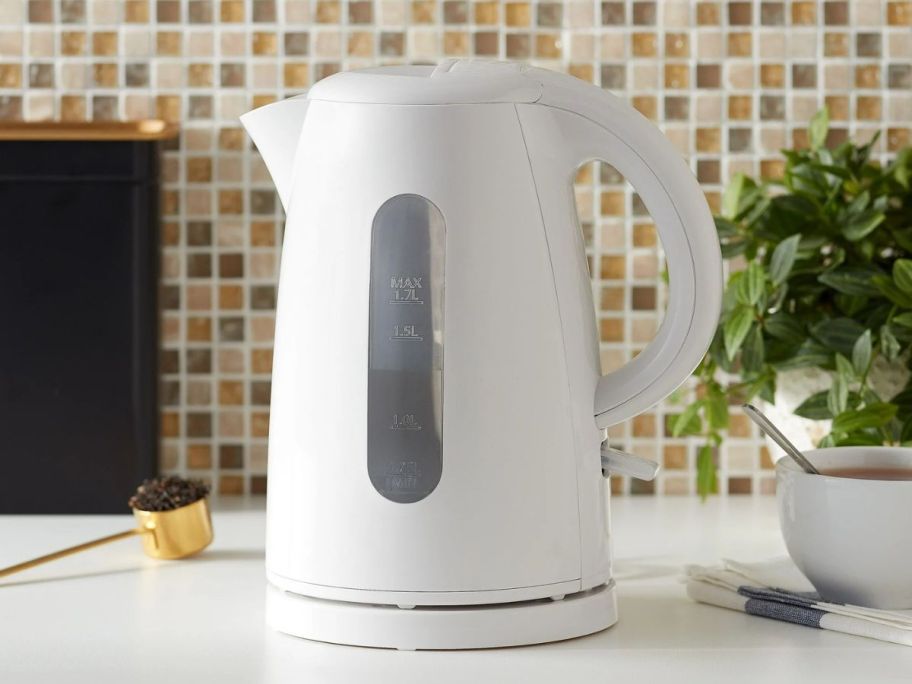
773	433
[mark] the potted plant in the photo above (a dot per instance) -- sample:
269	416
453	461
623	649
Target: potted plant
825	294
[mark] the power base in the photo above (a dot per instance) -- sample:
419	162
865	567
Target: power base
442	628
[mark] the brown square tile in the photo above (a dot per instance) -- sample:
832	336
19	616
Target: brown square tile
40	11
231	485
200	11
231	266
643	298
613	14
518	13
392	44
677	45
611	299
231	11
261	360
613	268
677	108
424	12
199	456
360	12
804	13
708	140
258	485
739	140
259	424
168	11
297	43
899	76
199	361
199	329
264	43
296	75
836	45
485	43
231	297
230	393
869	108
613	76
836	13
772	13
644	44
72	11
199	266
740	107
677	76
708	170
867	76
708	14
104	43
487	12
739	13
709	75
232	75
72	108
804	75
136	11
41	75
168	43
231	456
898	138
199	424
739	485
264	11
167	107
611	329
644	13
739	45
644	425
136	75
260	391
868	44
772	75
674	457
646	105
838	105
519	46
899	13
104	75
772	107
612	203
642	487
548	45
550	14
231	329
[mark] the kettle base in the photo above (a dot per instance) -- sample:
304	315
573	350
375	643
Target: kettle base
443	628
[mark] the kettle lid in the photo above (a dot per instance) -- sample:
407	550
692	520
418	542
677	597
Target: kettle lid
453	81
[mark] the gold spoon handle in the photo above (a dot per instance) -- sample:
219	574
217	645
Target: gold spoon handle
71	550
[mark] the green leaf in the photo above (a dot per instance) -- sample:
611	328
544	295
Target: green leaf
783	259
838	396
753	354
857	228
903	404
905	434
717	410
886	285
852	281
844	368
860	439
752	285
871	416
817	130
902	274
889	345
811	354
815	407
706	472
903	319
736	328
726	228
859	204
684	423
732	197
784	326
861	354
838	334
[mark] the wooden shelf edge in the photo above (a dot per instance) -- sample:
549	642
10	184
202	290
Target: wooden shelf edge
146	129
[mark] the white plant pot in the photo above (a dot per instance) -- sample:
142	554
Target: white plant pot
795	386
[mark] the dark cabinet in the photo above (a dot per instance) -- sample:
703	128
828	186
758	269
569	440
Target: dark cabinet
78	320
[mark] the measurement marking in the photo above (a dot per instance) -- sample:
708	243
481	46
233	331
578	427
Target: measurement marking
407	338
406	301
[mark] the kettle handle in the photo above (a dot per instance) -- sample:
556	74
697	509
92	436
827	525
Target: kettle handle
596	125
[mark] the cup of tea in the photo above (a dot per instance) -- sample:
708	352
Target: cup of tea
849	529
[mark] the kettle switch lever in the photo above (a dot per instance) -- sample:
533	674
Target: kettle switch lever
622	463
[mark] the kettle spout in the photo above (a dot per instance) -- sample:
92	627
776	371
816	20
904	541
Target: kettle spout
275	129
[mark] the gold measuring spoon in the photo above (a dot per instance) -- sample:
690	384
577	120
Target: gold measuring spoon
181	531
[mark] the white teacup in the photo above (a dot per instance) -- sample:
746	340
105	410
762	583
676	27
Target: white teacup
852	538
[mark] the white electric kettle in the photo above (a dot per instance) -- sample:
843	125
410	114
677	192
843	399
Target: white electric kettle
435	474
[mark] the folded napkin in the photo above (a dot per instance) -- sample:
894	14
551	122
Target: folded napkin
776	589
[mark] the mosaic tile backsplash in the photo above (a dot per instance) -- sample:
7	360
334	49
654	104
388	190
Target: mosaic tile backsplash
729	82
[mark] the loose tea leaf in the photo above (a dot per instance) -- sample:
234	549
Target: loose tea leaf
168	493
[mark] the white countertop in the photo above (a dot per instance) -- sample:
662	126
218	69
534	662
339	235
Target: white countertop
112	614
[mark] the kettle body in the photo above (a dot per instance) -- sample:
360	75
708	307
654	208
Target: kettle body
437	402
